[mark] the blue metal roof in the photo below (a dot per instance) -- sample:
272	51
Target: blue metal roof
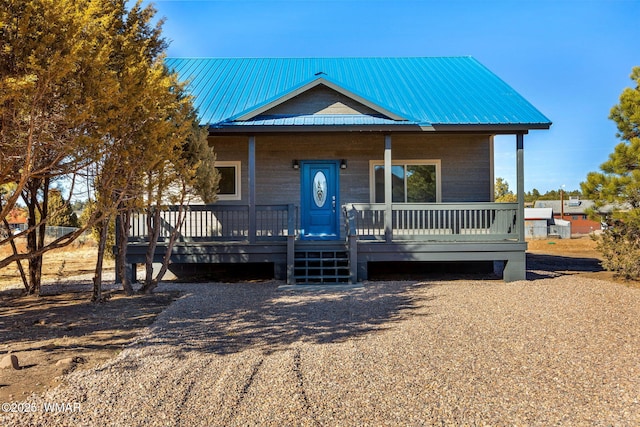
425	91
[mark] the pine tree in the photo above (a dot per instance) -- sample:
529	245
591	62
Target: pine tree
52	58
60	211
502	193
84	92
618	184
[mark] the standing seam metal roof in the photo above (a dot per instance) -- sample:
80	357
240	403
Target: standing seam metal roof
423	91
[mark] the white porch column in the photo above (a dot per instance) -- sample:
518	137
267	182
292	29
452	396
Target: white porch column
388	190
252	189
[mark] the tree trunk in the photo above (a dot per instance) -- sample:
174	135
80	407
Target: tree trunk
25	282
34	263
150	285
153	230
123	235
97	277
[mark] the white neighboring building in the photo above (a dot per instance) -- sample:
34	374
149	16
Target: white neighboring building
536	222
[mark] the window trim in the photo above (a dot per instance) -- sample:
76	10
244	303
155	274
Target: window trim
405	162
238	177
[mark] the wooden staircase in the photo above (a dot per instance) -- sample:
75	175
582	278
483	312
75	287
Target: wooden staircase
321	263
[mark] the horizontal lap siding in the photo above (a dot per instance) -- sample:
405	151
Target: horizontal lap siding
235	149
465	162
320	100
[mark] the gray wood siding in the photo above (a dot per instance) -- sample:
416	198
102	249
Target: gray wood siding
320	100
465	163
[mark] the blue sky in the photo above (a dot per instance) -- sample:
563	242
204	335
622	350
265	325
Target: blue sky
569	58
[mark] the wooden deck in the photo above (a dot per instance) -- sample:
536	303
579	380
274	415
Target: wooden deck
372	233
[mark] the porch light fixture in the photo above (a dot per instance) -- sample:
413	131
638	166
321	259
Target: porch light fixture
343	164
295	165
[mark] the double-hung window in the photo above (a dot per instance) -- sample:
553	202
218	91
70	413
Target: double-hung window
412	181
229	186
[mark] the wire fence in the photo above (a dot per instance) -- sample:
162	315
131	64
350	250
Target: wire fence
57	232
50	232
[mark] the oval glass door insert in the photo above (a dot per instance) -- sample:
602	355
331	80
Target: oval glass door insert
319	189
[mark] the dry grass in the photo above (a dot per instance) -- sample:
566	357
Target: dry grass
76	259
584	247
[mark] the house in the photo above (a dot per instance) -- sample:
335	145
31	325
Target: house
539	223
576	212
331	164
17	220
536	222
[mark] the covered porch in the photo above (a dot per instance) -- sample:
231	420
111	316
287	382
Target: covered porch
367	232
417	232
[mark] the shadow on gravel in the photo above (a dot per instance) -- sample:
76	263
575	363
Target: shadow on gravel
228	318
37	321
538	264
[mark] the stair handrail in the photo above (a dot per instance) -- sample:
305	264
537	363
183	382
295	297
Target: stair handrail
350	220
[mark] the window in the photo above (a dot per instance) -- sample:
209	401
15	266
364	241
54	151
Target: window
229	187
413	181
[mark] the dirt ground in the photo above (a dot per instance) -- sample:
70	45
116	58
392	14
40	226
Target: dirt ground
570	256
584	247
55	334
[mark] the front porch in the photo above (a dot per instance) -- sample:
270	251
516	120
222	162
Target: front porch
432	232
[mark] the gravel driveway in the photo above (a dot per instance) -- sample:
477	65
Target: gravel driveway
552	351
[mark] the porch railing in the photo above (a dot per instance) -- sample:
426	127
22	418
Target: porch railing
424	222
220	223
435	222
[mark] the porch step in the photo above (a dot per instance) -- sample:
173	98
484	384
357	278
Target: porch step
321	263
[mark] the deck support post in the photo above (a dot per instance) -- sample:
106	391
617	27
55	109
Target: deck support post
353	259
291	259
291	242
388	191
515	268
132	271
252	189
116	250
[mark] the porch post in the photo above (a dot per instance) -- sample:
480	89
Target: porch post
520	187
516	265
252	189
388	193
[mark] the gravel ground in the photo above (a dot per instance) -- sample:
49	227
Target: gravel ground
553	351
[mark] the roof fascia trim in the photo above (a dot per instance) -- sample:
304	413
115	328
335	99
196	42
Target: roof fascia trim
312	128
295	91
520	127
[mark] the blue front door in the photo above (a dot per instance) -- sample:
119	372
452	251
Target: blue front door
320	216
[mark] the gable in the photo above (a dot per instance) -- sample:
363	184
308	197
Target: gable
258	111
320	100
